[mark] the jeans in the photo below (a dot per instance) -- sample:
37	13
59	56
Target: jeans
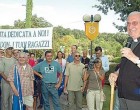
49	89
75	97
41	99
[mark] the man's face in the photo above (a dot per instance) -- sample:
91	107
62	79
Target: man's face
84	53
1	53
98	54
16	54
22	58
133	26
8	52
77	57
73	49
49	57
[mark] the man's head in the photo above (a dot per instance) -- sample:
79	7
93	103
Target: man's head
73	48
48	55
8	51
77	56
98	51
1	53
85	53
16	53
23	58
133	24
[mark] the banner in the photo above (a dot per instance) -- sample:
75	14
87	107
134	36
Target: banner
33	38
92	30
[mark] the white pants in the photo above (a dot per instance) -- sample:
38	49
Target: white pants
93	98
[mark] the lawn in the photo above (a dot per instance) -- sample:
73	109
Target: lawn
107	92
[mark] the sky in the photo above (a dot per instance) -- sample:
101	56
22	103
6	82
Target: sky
65	13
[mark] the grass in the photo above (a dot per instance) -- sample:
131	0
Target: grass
107	92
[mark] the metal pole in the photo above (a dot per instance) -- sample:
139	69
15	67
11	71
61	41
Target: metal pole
91	50
91	41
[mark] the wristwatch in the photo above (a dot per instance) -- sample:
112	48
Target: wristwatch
137	62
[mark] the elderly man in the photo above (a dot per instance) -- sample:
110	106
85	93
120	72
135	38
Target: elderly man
6	63
26	75
74	82
128	76
49	69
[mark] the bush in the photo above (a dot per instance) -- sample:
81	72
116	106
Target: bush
116	60
111	69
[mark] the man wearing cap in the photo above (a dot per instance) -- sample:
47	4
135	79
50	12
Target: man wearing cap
6	63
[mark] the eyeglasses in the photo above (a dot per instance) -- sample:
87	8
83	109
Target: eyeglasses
134	23
98	53
77	55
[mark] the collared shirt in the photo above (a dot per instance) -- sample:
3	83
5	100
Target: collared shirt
26	78
75	73
105	62
70	59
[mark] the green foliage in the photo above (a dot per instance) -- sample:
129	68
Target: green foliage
116	60
121	7
29	6
37	22
111	70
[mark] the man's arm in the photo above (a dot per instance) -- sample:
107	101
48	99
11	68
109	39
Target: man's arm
13	88
59	82
4	76
36	73
65	84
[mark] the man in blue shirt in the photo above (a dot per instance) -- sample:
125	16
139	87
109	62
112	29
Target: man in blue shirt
71	56
49	69
104	58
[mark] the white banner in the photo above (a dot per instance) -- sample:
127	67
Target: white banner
33	38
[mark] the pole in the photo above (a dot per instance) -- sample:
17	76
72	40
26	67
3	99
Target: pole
91	41
91	50
112	96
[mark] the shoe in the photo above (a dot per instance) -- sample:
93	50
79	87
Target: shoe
40	106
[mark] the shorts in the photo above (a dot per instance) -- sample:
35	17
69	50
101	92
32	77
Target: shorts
37	87
28	100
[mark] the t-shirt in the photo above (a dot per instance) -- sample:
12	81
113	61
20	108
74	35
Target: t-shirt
6	64
48	71
93	78
75	73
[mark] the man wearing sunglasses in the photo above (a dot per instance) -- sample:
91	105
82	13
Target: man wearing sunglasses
128	75
74	82
49	69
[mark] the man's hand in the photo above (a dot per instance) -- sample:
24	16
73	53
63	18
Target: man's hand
113	78
82	89
57	85
127	53
40	76
65	90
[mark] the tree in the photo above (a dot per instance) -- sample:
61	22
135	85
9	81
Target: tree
36	23
29	6
121	7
